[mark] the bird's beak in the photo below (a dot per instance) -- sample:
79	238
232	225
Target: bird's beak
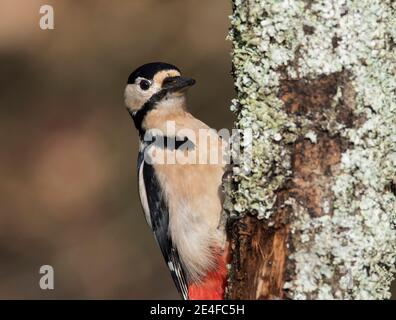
174	84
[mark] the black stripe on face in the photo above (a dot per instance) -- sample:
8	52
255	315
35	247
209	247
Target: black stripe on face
138	116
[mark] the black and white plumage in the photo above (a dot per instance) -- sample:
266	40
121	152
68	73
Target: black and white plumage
182	203
157	215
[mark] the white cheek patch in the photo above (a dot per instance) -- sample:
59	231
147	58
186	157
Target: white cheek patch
135	97
132	97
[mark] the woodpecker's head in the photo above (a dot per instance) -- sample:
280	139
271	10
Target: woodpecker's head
155	85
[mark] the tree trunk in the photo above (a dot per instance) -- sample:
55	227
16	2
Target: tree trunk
312	205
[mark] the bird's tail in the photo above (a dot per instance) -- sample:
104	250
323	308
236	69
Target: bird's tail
212	286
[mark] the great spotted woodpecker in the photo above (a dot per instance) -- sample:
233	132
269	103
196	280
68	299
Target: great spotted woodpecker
179	186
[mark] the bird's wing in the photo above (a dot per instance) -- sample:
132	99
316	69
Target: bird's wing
159	216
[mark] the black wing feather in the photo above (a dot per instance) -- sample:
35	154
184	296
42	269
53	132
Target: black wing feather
159	215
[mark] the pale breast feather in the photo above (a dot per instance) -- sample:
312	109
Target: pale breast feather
153	200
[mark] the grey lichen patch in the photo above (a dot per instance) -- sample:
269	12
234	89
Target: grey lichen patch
350	251
258	108
257	164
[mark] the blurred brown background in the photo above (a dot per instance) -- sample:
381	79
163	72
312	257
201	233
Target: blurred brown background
67	163
68	146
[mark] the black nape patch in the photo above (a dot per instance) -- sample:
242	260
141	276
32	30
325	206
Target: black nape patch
148	70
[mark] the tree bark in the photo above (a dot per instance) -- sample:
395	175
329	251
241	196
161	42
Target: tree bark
312	202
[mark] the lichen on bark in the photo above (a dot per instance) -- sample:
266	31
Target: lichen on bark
316	84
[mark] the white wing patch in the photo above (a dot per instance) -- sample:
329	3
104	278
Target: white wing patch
157	216
170	266
143	195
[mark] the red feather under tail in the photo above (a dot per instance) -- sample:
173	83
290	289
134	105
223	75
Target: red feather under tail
213	285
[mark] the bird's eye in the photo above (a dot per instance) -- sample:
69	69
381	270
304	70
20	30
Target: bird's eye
144	84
